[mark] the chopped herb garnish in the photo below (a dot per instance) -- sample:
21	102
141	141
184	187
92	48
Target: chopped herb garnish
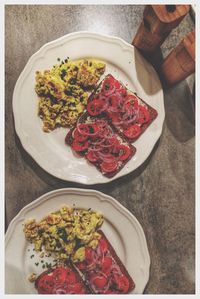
63	73
107	86
36	264
58	59
78	243
73	104
32	256
48	265
66	60
62	233
72	81
43	266
68	92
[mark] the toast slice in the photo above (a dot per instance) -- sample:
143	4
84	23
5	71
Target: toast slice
61	280
127	112
100	143
104	271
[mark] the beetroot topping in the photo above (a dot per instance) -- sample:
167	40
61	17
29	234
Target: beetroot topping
104	271
124	108
115	118
101	145
61	280
100	272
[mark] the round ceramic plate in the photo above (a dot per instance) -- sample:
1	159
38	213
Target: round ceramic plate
125	63
120	226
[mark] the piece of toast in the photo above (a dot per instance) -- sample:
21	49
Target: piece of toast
117	136
140	116
61	280
104	271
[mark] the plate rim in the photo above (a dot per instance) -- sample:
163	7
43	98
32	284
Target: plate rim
102	197
40	53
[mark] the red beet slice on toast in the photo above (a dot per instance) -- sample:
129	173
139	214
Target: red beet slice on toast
104	271
61	280
100	143
125	110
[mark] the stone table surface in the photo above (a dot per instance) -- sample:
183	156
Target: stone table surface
161	192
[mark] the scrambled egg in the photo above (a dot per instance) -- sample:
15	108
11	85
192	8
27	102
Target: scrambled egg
63	91
65	232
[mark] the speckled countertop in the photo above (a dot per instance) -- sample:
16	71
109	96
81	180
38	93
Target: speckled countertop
160	193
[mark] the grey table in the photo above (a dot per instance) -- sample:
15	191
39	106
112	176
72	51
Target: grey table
160	193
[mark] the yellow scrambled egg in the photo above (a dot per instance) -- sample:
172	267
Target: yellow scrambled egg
63	91
65	232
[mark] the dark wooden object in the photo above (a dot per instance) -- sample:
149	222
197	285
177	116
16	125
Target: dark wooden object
180	63
158	21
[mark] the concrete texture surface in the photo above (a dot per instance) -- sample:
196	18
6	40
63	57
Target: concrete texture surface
160	193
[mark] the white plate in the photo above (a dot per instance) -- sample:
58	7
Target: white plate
120	226
49	149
